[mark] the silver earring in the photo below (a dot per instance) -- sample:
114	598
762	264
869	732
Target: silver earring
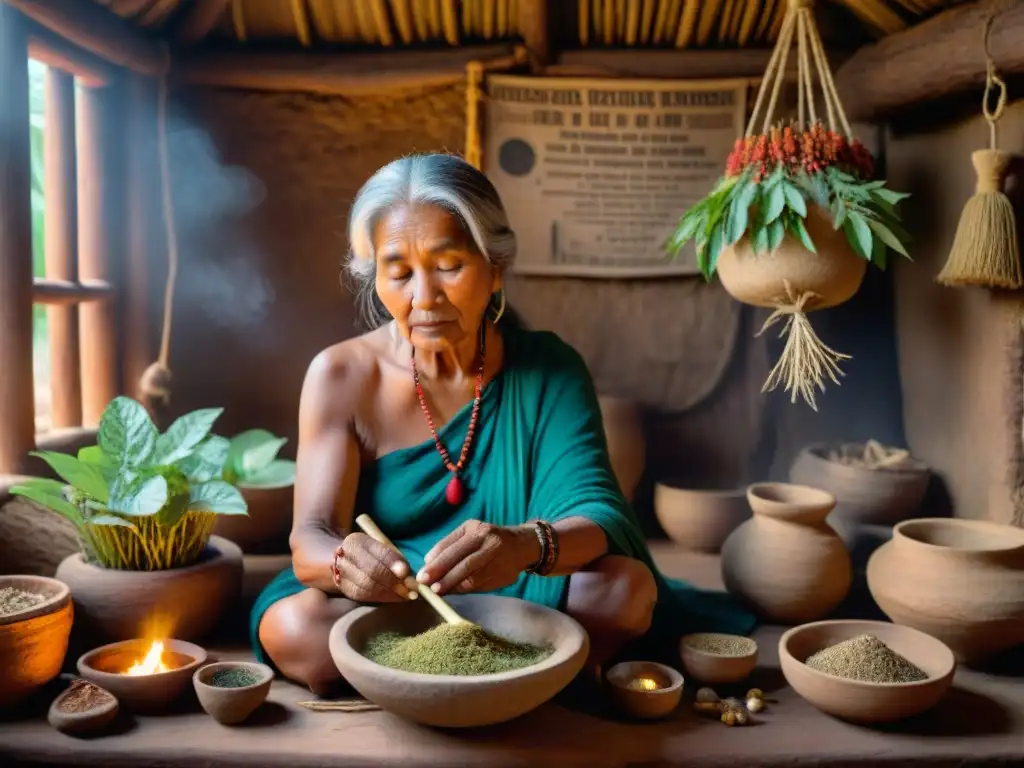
501	307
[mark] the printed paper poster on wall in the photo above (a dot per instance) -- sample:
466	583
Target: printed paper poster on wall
595	173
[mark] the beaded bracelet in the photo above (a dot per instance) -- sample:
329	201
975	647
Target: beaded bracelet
548	539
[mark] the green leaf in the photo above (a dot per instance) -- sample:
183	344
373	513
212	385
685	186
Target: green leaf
803	234
888	196
126	432
794	199
92	454
110	520
879	254
688	226
250	447
739	213
716	242
207	461
87	478
776	231
184	434
42	492
886	236
776	202
277	474
838	213
759	241
219	497
859	234
138	497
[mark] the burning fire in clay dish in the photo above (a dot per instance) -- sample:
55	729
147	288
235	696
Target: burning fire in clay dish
153	663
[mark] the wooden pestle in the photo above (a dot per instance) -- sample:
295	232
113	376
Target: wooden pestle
436	601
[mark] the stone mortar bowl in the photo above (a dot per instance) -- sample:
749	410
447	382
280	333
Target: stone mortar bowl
858	701
151	693
230	706
457	701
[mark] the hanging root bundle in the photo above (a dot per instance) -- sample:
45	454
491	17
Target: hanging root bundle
805	360
985	250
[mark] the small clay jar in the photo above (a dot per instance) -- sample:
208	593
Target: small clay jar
786	563
961	581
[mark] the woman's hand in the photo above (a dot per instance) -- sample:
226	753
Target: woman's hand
370	572
479	557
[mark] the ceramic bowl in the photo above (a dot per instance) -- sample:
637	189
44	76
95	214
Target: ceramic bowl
229	706
149	693
855	700
459	701
717	668
699	520
33	641
645	704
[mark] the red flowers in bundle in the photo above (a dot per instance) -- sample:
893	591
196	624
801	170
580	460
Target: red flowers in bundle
811	151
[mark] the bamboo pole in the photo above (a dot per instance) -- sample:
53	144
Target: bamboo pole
97	243
17	398
62	246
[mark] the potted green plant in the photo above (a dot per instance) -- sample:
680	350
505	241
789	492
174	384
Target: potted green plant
798	216
144	505
266	482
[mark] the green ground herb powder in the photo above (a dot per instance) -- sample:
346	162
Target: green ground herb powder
237	677
452	649
865	658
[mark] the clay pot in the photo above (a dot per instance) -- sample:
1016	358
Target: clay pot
152	693
645	704
699	520
185	603
33	642
961	581
230	706
716	668
858	701
265	529
786	563
863	496
623	429
460	701
835	272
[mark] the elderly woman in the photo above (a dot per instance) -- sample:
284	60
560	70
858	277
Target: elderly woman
475	445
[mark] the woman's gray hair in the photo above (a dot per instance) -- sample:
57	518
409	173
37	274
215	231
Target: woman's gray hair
435	179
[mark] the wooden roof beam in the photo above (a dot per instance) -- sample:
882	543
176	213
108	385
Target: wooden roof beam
199	20
93	28
936	58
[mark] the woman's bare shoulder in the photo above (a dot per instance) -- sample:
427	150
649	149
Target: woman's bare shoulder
351	365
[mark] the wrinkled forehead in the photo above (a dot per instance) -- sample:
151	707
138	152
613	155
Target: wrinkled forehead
421	226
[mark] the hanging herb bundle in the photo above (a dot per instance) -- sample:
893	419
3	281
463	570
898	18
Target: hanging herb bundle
797	216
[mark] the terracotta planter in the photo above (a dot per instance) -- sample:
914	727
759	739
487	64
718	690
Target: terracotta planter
863	496
265	529
835	272
699	520
624	432
183	603
786	563
33	642
961	581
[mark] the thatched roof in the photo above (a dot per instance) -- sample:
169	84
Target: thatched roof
575	23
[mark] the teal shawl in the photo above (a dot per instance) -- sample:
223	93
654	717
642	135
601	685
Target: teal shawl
539	452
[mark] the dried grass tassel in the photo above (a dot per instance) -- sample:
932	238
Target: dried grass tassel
985	250
805	360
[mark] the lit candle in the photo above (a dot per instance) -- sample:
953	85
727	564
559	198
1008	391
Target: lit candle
645	684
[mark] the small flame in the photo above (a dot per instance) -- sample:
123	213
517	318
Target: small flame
644	684
152	664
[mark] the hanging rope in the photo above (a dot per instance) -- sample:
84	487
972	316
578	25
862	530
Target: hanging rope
985	249
155	384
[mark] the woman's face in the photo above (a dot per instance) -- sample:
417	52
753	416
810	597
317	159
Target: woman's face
430	276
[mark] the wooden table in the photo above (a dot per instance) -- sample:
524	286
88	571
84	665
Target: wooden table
981	722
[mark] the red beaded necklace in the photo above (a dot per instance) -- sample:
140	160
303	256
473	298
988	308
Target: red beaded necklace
454	491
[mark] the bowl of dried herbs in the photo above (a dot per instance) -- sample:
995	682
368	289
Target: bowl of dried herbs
866	671
230	691
509	658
